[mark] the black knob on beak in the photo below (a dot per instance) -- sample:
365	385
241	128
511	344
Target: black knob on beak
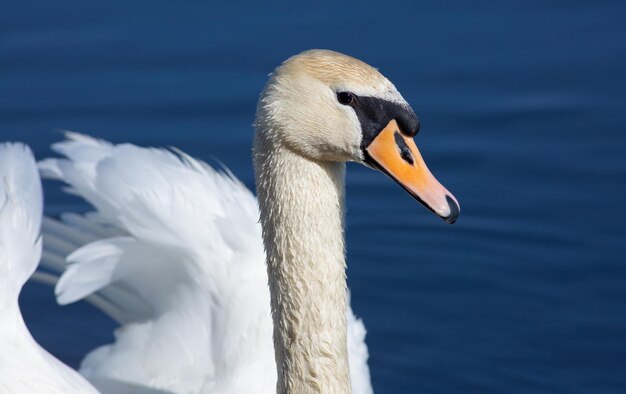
407	120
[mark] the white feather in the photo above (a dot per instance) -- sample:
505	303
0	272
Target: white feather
25	367
174	249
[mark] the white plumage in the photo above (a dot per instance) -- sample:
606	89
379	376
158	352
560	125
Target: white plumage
173	252
25	367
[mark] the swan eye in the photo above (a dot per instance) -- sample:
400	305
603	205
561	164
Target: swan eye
345	98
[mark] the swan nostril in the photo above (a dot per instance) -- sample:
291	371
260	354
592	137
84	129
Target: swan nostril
454	210
405	152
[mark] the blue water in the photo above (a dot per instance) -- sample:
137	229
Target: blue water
523	109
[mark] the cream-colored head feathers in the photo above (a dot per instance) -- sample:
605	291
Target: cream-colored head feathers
300	102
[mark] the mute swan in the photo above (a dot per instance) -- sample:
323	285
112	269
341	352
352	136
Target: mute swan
174	253
25	367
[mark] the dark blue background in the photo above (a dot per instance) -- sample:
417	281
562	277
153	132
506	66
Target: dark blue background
523	108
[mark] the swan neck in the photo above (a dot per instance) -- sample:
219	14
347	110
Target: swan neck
302	213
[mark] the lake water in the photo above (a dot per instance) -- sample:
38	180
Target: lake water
523	109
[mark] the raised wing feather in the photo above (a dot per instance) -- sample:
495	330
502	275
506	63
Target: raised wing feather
20	209
180	264
24	366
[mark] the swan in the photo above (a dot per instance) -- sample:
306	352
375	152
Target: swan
174	250
25	367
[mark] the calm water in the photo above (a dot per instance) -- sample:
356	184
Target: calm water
523	107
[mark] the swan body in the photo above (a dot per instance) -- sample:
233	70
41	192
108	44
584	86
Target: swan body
25	367
174	252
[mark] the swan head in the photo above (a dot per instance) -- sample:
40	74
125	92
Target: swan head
326	106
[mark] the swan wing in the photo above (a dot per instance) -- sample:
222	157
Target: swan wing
173	252
24	365
21	207
358	354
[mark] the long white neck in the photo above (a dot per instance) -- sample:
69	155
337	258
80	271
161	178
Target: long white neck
302	210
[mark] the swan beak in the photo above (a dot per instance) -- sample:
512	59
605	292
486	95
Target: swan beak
397	156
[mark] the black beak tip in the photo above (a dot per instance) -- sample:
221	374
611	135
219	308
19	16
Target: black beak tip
454	210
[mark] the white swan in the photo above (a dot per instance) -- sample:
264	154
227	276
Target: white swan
25	367
173	250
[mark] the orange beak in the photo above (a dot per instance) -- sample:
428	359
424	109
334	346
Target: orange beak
398	156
